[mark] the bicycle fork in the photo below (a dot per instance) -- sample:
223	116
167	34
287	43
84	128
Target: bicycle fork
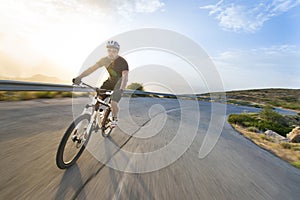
91	123
81	137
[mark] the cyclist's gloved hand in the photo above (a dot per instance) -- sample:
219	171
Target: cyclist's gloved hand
99	90
76	80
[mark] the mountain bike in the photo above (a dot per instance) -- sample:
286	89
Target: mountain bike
78	133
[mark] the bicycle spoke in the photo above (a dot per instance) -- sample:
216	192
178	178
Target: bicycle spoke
73	146
78	133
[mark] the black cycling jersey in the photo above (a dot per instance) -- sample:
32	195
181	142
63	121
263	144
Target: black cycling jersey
116	67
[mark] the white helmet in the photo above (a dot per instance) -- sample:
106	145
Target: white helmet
112	44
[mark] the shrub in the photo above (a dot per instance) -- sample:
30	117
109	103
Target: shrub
291	105
25	95
66	94
278	128
253	129
239	119
273	118
242	119
286	145
274	103
3	96
136	86
46	94
265	137
296	164
267	119
269	114
296	148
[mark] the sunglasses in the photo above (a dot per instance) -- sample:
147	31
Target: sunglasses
112	50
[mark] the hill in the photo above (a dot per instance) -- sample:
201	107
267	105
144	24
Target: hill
284	98
37	78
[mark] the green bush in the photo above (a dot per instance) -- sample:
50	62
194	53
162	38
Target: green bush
136	86
296	164
286	145
272	120
296	148
268	119
25	95
269	114
242	103
289	99
242	119
278	128
253	129
274	103
293	106
66	94
46	94
265	137
3	96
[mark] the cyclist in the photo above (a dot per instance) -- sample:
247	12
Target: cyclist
117	68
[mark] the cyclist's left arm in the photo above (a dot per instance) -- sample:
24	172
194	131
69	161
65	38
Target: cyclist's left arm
124	79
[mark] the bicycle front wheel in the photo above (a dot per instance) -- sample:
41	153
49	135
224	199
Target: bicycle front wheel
73	142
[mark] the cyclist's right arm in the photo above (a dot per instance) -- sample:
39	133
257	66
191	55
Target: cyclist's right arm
91	69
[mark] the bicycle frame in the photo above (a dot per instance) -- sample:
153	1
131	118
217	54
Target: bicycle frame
93	105
80	130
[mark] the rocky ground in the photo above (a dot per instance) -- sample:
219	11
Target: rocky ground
287	148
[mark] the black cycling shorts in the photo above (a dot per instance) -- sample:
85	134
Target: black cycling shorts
115	86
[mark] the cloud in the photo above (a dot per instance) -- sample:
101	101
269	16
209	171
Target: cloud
274	66
125	8
94	9
60	32
248	16
138	6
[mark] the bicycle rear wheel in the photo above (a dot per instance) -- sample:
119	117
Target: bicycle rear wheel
73	142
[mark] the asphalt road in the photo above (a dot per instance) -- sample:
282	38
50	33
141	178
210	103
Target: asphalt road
236	168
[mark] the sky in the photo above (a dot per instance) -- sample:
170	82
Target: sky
253	44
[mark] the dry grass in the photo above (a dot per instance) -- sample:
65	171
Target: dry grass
289	152
28	95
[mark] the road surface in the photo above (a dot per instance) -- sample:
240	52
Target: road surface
236	168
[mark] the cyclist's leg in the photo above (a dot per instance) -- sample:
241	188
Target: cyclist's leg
115	109
115	98
107	85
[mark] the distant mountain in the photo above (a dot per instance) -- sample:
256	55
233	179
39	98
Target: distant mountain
37	78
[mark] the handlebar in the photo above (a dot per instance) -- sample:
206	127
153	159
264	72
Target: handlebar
98	90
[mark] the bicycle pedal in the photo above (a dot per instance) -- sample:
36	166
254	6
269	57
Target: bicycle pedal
74	138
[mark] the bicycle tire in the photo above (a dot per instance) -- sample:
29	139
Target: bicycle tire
61	148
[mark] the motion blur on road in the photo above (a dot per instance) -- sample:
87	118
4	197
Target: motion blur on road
30	132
